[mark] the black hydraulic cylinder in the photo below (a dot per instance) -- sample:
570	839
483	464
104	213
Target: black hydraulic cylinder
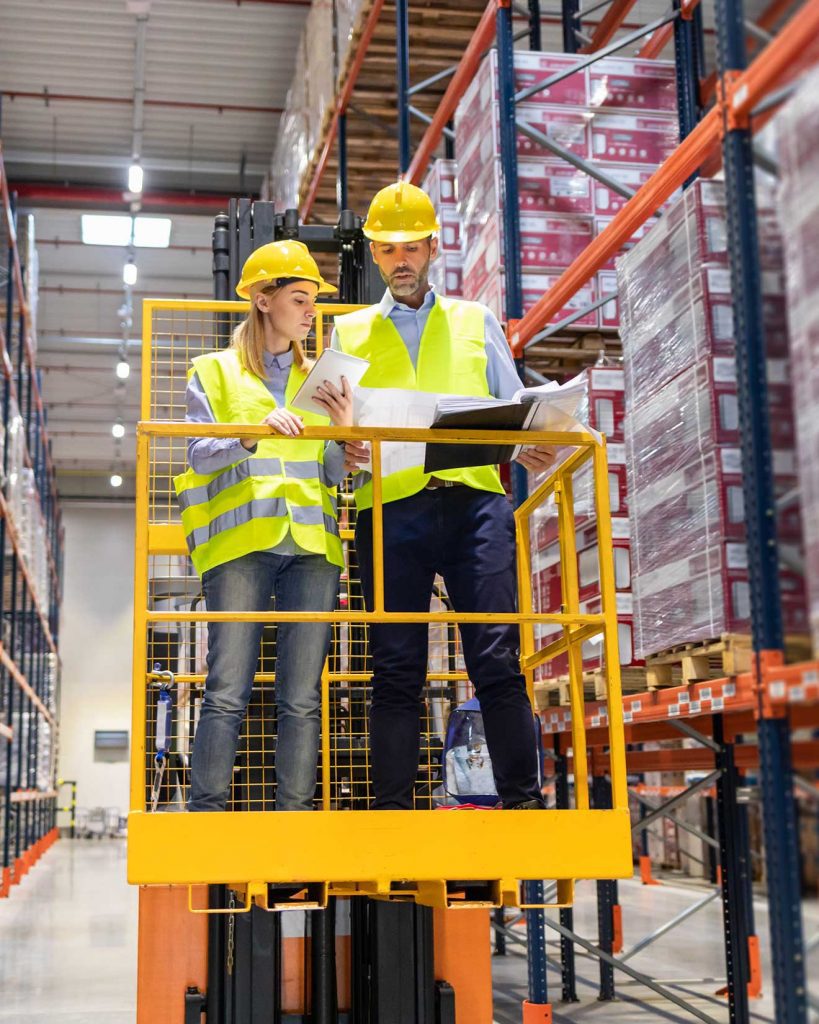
323	965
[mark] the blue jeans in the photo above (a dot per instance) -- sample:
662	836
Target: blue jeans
299	583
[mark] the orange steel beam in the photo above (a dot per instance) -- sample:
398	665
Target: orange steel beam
473	54
608	25
779	61
341	106
656	42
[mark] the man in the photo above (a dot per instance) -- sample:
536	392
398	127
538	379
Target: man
458	524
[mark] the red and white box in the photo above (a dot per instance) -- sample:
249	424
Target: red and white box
543	187
701	596
694	323
588	558
607	403
593	650
685	419
546	243
608	202
633	138
479	139
623	83
446	274
449	237
441	183
607	285
492	293
531	68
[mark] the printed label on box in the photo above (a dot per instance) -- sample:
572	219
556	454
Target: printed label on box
736	556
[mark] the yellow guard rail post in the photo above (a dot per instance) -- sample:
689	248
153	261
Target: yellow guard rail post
423	855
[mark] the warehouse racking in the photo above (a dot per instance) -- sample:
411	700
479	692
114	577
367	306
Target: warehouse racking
31	540
772	700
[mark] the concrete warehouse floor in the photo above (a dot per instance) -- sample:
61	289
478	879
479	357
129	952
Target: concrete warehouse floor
68	935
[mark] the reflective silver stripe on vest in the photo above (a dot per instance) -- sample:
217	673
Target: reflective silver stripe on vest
261	508
244	471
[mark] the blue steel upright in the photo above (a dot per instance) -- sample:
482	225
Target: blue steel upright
535	919
688	73
402	75
511	207
570	10
776	769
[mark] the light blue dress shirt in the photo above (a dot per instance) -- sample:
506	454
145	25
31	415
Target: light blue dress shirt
211	454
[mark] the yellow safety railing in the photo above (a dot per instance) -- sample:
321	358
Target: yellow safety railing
342	848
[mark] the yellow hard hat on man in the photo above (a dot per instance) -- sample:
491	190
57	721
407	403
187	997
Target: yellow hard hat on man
401	213
281	261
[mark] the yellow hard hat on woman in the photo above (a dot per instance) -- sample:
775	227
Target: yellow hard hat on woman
281	261
401	213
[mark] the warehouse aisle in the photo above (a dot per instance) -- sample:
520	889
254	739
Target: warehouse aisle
68	935
692	951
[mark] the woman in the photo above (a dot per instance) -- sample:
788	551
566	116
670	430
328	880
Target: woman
260	520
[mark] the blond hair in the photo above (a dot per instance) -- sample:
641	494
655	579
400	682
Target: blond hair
248	337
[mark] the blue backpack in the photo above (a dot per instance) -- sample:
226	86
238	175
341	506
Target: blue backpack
468	777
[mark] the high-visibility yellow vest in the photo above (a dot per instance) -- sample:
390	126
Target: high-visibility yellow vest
253	504
451	359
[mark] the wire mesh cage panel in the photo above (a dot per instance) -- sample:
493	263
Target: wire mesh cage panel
400	854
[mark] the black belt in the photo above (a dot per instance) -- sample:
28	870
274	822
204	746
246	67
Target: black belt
435	482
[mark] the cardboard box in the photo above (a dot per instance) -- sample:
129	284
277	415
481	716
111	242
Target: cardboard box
543	187
607	402
446	274
633	84
607	202
701	596
449	237
482	284
441	183
478	139
633	138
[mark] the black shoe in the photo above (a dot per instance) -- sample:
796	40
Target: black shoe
526	805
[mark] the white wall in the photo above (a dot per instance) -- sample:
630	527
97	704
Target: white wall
95	644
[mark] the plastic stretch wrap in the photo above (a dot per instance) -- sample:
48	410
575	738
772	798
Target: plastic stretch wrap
292	152
621	116
683	462
798	145
348	18
440	184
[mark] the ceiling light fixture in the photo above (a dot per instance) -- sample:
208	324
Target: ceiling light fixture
135	178
116	480
123	369
129	273
118	430
119	229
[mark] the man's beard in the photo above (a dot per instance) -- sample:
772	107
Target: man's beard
410	285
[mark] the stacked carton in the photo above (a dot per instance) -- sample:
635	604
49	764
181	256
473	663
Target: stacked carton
682	439
621	115
311	96
441	185
605	411
798	130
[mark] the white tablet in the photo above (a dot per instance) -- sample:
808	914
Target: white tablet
331	365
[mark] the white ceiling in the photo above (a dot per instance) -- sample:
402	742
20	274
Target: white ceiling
216	73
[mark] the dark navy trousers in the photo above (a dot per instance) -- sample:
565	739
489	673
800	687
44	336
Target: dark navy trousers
468	537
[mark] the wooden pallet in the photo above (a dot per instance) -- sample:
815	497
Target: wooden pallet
726	655
556	692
